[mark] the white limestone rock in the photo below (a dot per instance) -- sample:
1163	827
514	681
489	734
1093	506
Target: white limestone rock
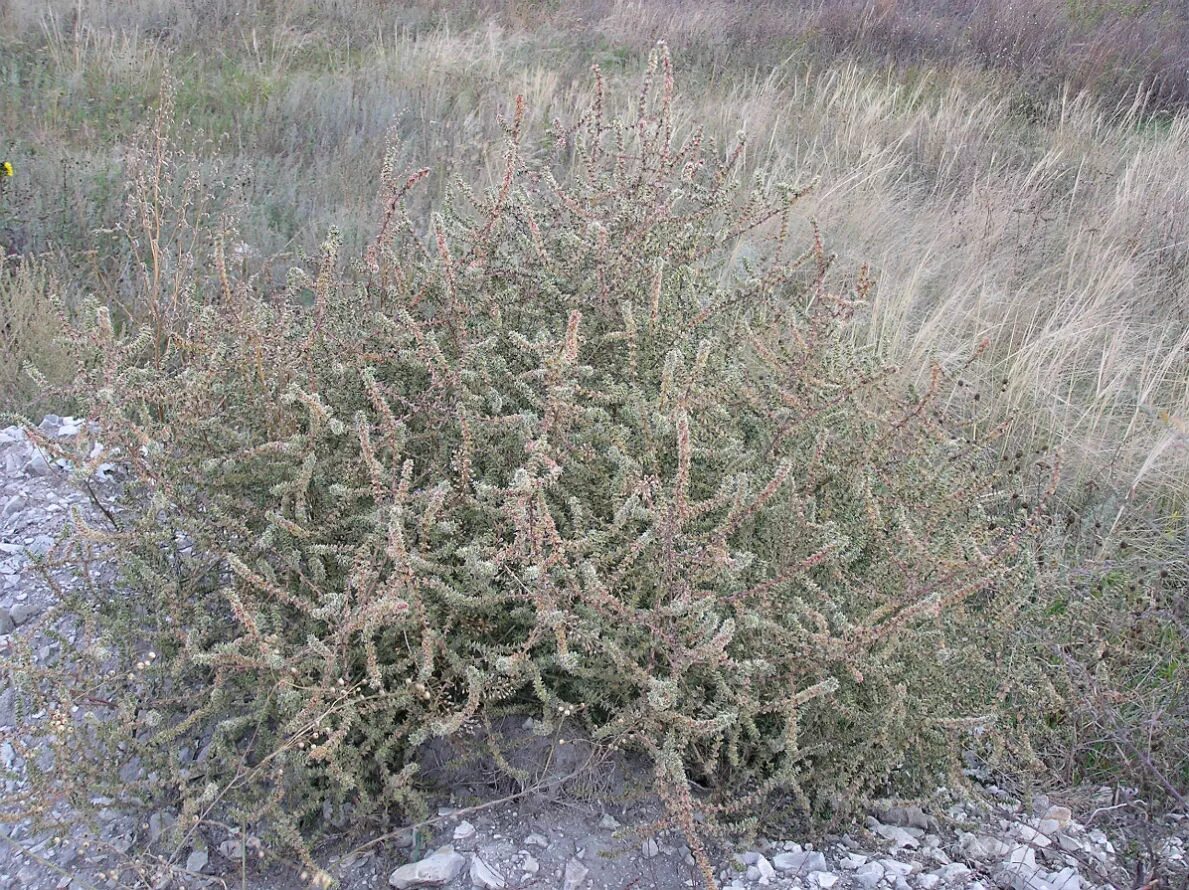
439	868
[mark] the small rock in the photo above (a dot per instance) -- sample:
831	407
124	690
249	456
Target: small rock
483	875
37	465
650	849
801	863
1030	835
7	625
575	874
1060	815
529	865
197	861
928	882
442	867
1066	879
1101	839
1025	856
767	872
1021	877
22	613
464	831
906	817
976	847
1048	827
159	823
900	837
853	861
41	544
892	867
536	840
869	875
232	849
1069	844
823	879
13	505
952	870
608	822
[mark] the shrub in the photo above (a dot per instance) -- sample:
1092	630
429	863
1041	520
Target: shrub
581	454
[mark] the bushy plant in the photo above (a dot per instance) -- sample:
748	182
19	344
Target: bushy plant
597	451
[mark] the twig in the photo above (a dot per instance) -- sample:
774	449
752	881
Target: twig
95	500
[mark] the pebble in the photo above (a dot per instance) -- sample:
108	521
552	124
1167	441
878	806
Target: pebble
951	871
536	840
767	872
1068	844
13	505
1030	835
870	874
23	613
484	876
906	817
893	867
1066	879
197	861
575	874
984	847
900	837
37	465
650	849
801	863
441	867
1061	815
464	831
1025	856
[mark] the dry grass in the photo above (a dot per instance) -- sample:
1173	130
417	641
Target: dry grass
1058	230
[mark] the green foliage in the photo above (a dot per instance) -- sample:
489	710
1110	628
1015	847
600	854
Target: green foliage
565	457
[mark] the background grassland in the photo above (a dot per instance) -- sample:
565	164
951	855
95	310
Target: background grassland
1014	173
949	143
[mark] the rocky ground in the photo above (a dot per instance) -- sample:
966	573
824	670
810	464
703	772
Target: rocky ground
1074	841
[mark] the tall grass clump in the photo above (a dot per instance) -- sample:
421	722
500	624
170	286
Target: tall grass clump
563	457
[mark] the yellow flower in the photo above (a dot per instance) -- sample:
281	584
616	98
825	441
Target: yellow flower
6	168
